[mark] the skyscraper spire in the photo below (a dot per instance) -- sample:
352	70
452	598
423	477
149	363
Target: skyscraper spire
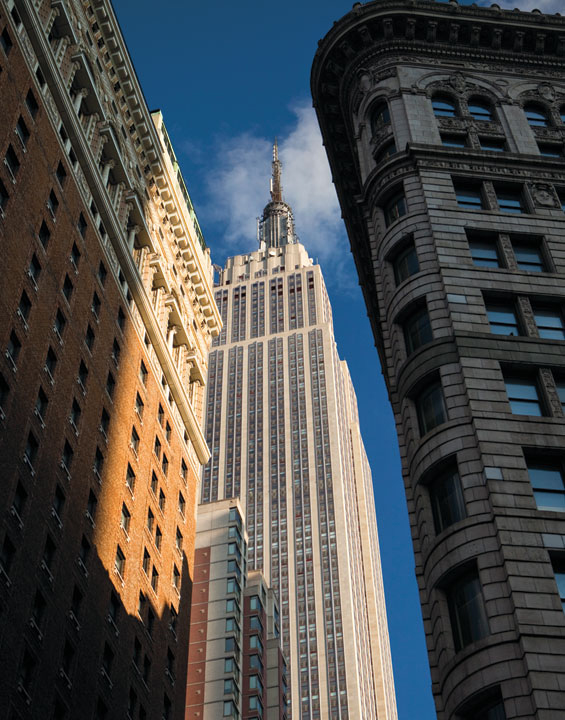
276	186
276	226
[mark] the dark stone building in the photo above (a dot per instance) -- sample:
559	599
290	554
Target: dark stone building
445	130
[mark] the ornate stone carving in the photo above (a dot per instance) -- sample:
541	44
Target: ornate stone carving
543	195
508	252
546	91
528	316
551	392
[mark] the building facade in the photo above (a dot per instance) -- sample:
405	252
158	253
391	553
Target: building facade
281	423
235	668
107	314
445	130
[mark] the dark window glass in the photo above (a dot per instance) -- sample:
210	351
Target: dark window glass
431	408
458	141
6	41
14	347
536	115
61	173
559	570
67	288
89	337
469	197
529	258
380	116
550	150
467	612
503	319
387	151
4	197
446	498
417	330
510	200
523	396
82	225
492	144
480	110
24	307
406	264
22	132
394	208
548	484
550	323
444	107
11	162
31	103
44	235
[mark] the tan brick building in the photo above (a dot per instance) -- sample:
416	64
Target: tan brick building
107	314
445	129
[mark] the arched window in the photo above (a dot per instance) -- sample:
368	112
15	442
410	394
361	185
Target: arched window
562	113
395	208
480	110
386	151
380	116
536	115
444	107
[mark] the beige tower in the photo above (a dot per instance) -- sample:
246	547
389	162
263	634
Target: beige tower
282	427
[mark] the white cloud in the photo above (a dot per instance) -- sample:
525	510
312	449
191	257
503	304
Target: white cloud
237	189
545	6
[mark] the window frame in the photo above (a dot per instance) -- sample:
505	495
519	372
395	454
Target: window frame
425	394
463	637
547	488
523	401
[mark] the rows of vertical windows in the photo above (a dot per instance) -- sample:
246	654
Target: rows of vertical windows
257	309
333	629
276	305
277	480
239	309
311	298
221	299
302	510
295	304
255	455
233	425
213	425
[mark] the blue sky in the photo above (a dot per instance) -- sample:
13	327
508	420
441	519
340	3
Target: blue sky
229	77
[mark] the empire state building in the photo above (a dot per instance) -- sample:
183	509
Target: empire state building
283	430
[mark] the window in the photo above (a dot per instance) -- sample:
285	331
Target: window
139	406
104	422
146	561
536	115
165	465
529	257
59	325
91	506
34	270
230	709
32	446
157	447
14	347
58	503
52	204
50	363
444	107
121	319
230	644
550	150
82	375
405	264
4	197
98	462
22	132
559	570
380	116
560	387
550	323
75	257
183	470
61	174
255	683
44	234
120	562
20	499
116	350
480	110
488	706
182	504
168	432
67	288
158	538
386	151
24	307
107	658
255	603
430	407
154	579
130	478
562	114
417	330
6	41
394	208
31	104
162	500
7	555
255	662
74	417
110	385
89	337
125	518
469	196
548	484
467	612
150	520
503	319
446	499
38	609
143	373
179	540
485	253
161	415
4	390
96	306
492	144
67	457
176	577
81	225
523	396
102	273
510	200
458	141
11	162
154	483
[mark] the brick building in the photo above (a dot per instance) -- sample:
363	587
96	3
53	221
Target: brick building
107	314
445	129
